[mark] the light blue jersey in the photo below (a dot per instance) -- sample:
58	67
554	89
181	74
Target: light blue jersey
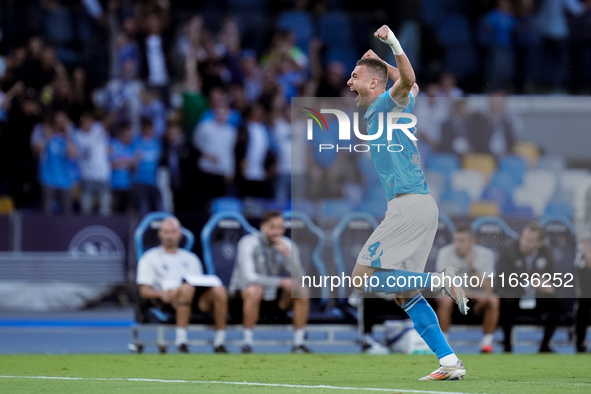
400	172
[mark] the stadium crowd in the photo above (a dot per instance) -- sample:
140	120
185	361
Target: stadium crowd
119	105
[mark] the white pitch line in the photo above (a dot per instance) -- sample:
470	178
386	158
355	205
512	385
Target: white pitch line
299	386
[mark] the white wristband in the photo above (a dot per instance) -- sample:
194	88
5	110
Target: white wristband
393	42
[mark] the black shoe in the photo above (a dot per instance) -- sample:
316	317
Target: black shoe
301	349
581	348
246	349
183	348
220	349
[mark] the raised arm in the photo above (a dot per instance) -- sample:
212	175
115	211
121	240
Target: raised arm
406	81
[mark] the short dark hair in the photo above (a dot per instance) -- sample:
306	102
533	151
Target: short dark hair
376	66
536	227
464	228
271	215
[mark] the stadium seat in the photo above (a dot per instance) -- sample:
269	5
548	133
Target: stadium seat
482	162
484	208
552	162
311	242
470	181
437	182
222	204
557	208
305	206
529	151
455	202
443	236
570	179
334	208
515	166
560	235
531	197
504	181
446	163
541	181
219	239
348	238
498	196
493	232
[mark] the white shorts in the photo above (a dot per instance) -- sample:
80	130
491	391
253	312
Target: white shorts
404	238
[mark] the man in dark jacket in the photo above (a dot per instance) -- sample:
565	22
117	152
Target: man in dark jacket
525	259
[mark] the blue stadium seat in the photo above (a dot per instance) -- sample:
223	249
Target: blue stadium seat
504	182
446	163
455	202
516	166
219	239
348	238
300	23
334	208
222	204
493	232
560	235
334	28
559	208
444	236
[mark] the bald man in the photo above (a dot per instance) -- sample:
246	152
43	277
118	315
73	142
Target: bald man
161	277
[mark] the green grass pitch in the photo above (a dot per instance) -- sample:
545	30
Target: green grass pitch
196	373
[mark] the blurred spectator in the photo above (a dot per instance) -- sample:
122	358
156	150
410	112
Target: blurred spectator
455	131
92	145
504	125
120	98
582	205
219	98
259	150
496	35
122	40
324	83
57	152
154	109
180	159
194	102
528	256
432	110
282	133
448	86
123	162
215	139
21	112
156	67
145	189
252	75
264	264
470	259
553	24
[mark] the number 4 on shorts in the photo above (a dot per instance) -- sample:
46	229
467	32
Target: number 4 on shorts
373	249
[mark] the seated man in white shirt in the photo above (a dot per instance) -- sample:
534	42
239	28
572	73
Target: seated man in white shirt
264	263
163	276
469	258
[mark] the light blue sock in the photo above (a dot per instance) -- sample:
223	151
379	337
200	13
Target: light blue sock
427	325
396	281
